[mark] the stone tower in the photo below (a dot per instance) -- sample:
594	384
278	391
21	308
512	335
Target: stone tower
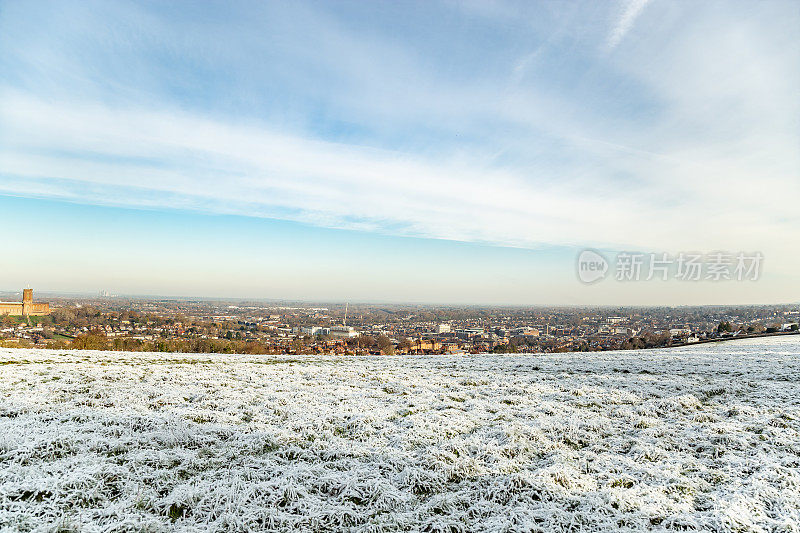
27	301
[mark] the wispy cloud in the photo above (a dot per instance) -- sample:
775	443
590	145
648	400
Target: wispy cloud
631	11
258	172
171	159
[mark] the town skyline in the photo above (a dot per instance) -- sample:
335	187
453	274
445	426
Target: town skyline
107	322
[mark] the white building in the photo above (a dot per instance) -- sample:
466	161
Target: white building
315	330
343	331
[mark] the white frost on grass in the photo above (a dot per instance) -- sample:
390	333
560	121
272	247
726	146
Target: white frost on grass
701	438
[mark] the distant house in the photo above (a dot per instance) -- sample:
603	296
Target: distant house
425	345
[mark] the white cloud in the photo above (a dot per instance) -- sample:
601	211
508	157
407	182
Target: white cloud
168	159
632	10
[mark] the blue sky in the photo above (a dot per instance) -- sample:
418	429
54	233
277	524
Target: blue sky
424	151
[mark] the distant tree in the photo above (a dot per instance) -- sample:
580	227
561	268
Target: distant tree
634	343
255	348
405	344
366	341
94	340
352	342
505	348
724	327
646	340
297	345
385	345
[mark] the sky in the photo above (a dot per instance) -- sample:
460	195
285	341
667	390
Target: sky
437	152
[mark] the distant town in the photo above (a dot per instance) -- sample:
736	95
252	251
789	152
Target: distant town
107	322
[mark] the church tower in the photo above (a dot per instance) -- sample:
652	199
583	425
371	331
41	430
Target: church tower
27	301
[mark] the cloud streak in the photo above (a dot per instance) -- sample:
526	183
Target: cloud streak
632	10
170	159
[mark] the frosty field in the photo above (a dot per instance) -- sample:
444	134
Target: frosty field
698	438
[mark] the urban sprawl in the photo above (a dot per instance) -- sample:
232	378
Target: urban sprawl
214	326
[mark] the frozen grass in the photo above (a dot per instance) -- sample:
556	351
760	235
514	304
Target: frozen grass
701	438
